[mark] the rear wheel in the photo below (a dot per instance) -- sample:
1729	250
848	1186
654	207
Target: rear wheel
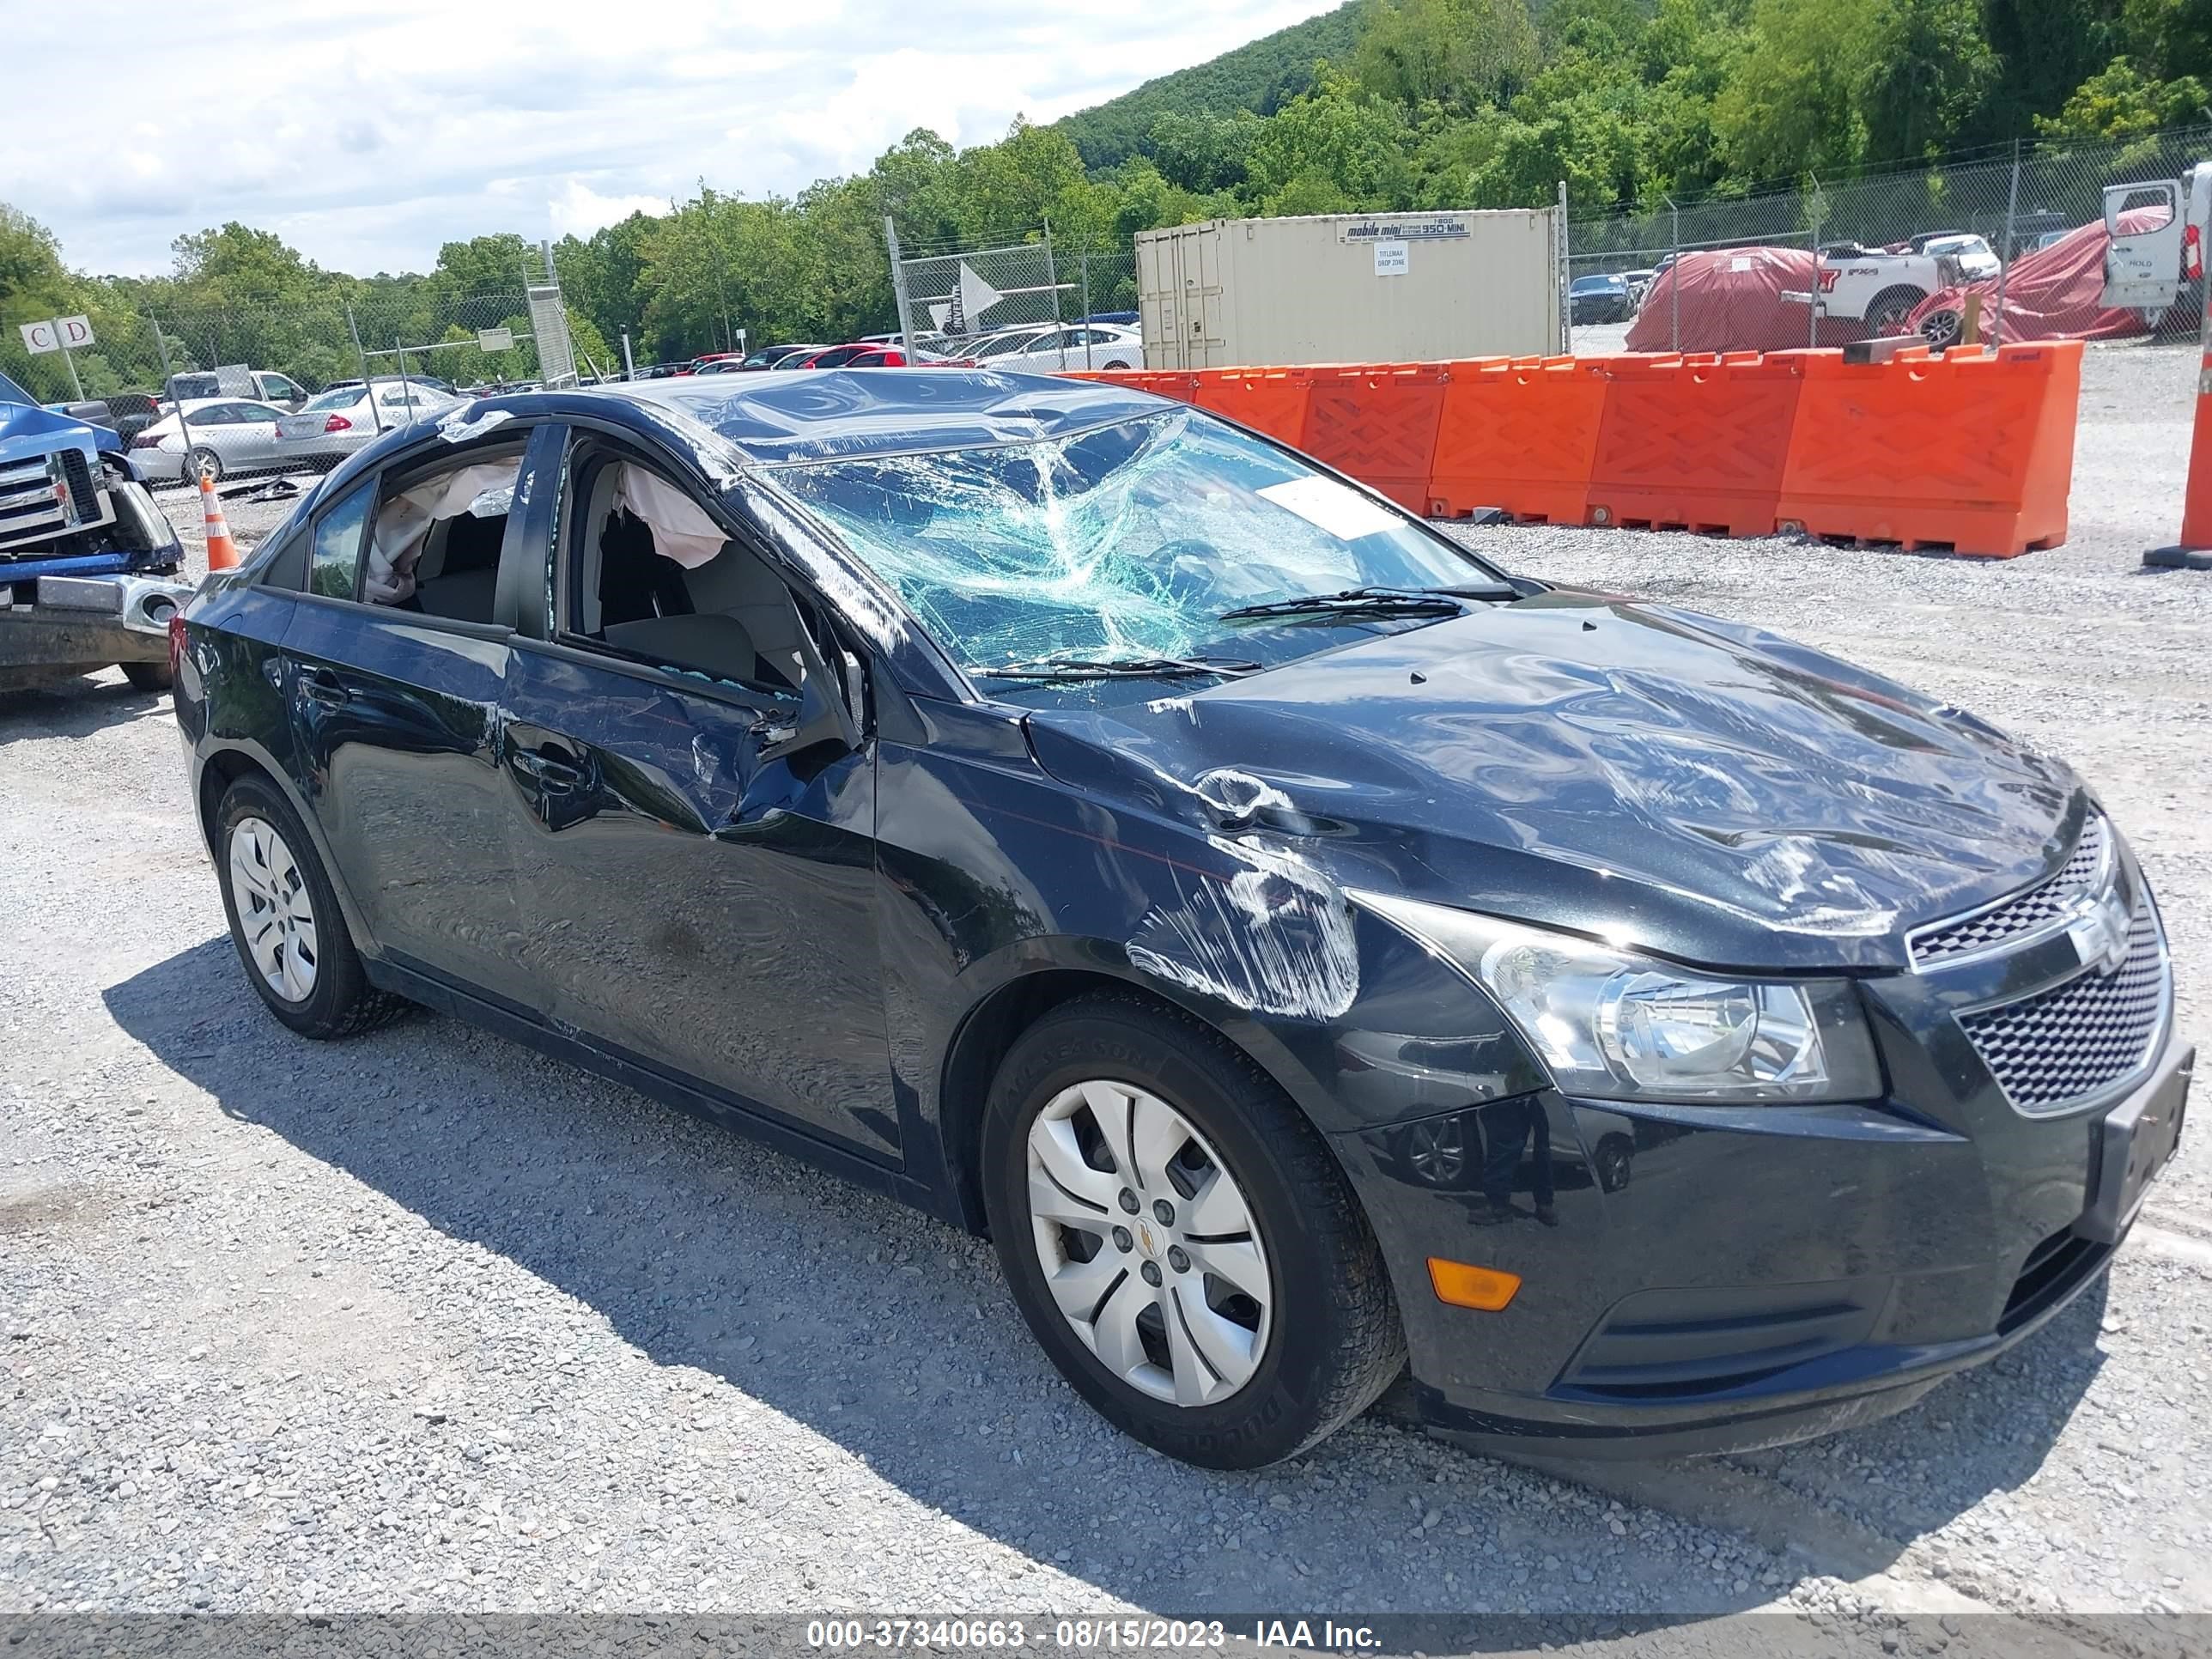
146	676
1891	307
1179	1239
201	459
285	919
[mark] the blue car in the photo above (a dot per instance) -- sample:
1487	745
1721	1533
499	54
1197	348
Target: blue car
1309	952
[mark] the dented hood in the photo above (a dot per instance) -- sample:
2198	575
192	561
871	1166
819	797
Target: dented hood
1693	786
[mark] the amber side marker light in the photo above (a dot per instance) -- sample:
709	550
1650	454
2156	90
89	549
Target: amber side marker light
1464	1286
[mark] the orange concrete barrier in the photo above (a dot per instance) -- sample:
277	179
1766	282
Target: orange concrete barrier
1972	450
1274	401
1696	442
1518	433
1378	423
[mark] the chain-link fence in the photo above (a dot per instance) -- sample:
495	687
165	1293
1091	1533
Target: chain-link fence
2017	201
956	302
230	387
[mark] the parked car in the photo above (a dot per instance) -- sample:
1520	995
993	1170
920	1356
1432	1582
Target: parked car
1086	345
770	356
1601	299
1639	284
1045	803
216	435
261	385
433	381
1005	343
834	356
339	422
1976	260
798	356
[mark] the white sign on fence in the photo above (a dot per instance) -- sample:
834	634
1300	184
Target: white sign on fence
74	332
495	339
1392	259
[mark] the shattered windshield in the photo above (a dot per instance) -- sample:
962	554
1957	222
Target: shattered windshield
1125	542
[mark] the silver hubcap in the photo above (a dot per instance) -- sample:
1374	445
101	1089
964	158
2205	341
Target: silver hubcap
273	909
1147	1244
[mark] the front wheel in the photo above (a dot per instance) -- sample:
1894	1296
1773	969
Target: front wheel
1179	1239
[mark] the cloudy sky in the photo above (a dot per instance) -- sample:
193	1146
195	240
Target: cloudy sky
366	132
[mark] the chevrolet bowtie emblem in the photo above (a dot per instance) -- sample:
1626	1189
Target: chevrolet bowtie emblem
2100	934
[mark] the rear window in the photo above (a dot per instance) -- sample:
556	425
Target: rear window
330	400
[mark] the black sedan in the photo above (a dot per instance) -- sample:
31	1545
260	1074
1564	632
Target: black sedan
1606	299
1305	949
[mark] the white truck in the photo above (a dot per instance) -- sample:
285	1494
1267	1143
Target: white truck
1877	287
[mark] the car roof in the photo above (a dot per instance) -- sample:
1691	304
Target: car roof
817	414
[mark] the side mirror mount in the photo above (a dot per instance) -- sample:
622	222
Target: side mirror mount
829	710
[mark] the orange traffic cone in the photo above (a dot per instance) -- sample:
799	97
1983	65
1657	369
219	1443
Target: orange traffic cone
222	551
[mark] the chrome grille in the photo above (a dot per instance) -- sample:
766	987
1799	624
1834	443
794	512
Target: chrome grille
29	506
2012	921
78	471
2076	1040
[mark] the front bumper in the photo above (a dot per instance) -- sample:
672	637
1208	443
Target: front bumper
1724	1279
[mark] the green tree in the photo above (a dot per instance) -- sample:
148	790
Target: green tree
1928	72
2120	104
1460	53
1788	111
1335	144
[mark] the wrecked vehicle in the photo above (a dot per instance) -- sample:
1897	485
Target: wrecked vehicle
82	550
1308	951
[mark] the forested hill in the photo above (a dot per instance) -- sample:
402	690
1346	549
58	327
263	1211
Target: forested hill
1261	76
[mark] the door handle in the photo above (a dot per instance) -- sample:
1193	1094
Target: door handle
552	767
321	685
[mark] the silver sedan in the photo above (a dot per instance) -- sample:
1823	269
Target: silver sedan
220	435
331	426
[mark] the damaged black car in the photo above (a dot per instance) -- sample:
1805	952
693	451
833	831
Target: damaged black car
1312	954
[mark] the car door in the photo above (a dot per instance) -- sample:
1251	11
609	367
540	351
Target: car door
395	707
256	435
696	828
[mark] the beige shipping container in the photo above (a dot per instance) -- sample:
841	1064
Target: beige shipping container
1350	287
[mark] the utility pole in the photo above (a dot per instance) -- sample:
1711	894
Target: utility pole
898	289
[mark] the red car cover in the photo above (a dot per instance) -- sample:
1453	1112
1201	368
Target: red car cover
1732	302
2051	293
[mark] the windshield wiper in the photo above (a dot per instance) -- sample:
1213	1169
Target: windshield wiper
1129	668
1377	602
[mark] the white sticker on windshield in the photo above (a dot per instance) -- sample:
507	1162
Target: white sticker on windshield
1343	512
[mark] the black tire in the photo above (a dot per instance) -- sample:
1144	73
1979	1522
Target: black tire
146	676
1887	315
1616	1161
342	1003
200	459
1942	328
1325	1362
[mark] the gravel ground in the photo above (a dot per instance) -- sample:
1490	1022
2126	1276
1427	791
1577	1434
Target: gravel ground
428	1321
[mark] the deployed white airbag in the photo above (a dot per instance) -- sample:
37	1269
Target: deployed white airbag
681	529
403	524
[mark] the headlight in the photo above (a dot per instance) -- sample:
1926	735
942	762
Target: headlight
1620	1026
